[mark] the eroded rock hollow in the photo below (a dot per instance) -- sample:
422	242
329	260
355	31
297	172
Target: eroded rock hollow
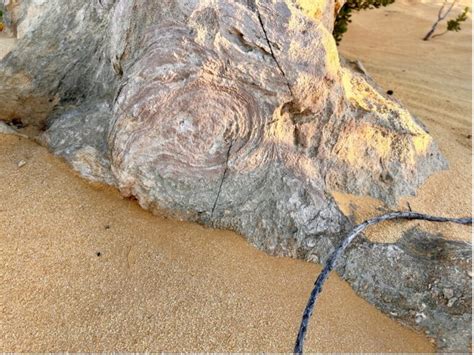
238	115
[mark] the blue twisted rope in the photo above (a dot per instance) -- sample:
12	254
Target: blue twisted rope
331	261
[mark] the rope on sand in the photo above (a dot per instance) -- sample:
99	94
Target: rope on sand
331	261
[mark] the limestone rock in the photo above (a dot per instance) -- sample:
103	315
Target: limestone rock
234	114
417	279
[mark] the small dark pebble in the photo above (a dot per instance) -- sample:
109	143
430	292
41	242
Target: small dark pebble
107	227
469	136
389	92
98	253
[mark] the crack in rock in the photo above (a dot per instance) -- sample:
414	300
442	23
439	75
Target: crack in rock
194	91
222	180
272	53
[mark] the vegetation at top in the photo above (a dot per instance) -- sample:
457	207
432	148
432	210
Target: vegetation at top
344	16
1	21
455	25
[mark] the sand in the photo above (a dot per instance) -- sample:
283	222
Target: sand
158	284
82	269
433	79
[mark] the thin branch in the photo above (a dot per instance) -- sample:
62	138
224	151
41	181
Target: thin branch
331	261
441	17
441	9
448	11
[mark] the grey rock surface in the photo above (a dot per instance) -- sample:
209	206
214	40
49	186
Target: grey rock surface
6	129
237	115
422	280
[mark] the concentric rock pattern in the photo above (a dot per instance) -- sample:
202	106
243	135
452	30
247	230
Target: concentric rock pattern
236	114
194	127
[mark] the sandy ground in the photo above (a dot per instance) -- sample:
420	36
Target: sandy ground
83	270
433	79
157	284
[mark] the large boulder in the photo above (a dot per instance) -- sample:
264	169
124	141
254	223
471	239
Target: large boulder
234	114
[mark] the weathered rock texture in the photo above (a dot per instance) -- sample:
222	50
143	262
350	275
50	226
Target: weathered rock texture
239	115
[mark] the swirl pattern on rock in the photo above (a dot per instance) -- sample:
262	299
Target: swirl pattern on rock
195	125
237	114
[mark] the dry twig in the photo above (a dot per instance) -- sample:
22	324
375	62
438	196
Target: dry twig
441	16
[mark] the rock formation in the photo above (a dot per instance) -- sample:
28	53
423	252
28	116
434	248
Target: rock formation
238	115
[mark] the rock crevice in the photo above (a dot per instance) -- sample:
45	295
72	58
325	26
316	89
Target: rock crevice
272	52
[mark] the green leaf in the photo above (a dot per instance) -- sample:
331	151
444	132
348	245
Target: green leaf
455	25
344	16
